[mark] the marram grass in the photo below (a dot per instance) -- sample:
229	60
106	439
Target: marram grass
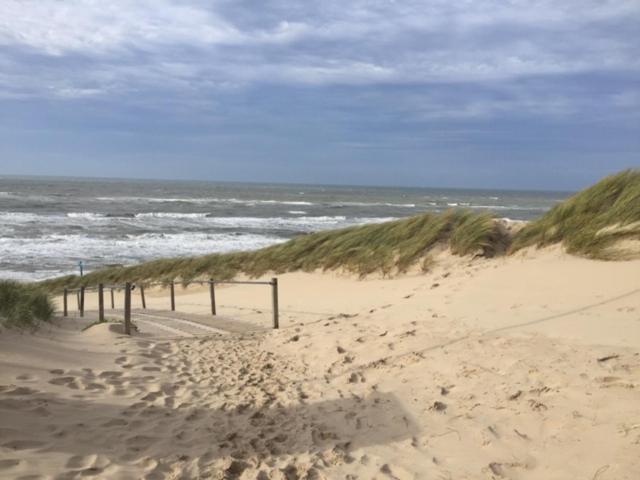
391	247
23	305
593	223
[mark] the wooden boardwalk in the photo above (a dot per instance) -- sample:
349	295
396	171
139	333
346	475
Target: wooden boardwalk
165	323
190	324
177	323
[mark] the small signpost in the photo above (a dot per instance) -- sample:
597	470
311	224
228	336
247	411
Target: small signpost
81	266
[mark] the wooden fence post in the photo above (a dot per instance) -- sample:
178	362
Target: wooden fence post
212	294
127	308
173	296
144	302
274	298
64	303
100	302
82	301
113	303
78	298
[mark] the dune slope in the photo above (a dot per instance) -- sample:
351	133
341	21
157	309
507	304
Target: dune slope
521	367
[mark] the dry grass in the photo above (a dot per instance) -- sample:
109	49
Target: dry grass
593	222
387	248
23	305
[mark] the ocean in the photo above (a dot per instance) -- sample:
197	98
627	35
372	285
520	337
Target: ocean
48	225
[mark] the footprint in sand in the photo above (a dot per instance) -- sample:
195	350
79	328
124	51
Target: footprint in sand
612	381
22	391
70	382
23	444
88	465
95	386
395	472
152	396
80	462
356	377
139	442
151	369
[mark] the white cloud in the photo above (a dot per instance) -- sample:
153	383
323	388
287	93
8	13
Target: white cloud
96	27
75	49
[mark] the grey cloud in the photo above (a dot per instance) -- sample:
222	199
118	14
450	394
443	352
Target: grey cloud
322	43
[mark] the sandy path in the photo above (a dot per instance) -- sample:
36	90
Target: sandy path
525	368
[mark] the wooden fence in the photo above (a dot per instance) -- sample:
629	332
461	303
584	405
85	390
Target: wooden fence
128	287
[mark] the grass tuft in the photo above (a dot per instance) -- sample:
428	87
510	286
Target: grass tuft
593	222
23	305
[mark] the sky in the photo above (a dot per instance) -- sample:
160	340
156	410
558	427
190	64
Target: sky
480	94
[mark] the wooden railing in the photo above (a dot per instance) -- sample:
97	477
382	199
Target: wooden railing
128	287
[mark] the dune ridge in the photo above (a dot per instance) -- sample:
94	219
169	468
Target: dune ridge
602	222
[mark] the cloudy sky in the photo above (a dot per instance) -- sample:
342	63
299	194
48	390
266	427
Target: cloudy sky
504	93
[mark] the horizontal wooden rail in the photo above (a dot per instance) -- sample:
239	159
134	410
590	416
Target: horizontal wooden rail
204	282
128	287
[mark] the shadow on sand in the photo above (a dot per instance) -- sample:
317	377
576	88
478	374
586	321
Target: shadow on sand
39	423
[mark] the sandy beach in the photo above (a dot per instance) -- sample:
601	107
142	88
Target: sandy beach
522	367
319	240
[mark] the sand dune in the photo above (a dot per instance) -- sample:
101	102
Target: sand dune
524	367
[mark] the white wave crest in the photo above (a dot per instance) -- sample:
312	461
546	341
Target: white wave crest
371	204
61	252
170	215
86	215
249	202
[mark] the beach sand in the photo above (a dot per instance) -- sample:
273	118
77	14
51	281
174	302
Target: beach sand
524	367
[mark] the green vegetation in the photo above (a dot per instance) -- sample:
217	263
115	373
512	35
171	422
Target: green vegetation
594	222
387	248
591	223
23	305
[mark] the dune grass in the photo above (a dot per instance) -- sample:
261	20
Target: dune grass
23	305
386	248
592	223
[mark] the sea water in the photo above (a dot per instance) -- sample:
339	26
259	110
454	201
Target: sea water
48	225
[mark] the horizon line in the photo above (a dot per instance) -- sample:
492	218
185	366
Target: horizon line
253	182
